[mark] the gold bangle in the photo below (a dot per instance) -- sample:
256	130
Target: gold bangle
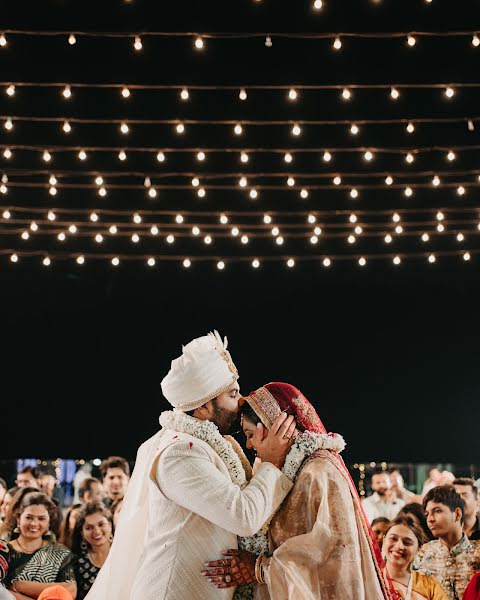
259	575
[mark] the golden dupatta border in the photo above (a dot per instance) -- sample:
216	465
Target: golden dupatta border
265	406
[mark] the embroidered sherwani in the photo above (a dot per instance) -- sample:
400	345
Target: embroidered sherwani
321	549
195	513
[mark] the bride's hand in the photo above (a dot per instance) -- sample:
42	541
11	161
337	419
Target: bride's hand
237	568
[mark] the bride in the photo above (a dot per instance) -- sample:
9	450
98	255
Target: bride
319	544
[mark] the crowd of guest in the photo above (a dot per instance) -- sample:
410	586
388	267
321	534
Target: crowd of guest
47	551
430	542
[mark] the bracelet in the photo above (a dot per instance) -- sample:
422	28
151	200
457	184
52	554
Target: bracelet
258	569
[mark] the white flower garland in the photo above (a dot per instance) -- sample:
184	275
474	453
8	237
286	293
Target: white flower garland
304	445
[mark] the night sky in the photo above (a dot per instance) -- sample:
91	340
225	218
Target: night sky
388	355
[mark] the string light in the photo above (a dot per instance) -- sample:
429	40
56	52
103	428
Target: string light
184	95
353	218
180	128
137	218
223	219
199	45
46	156
72	40
14	258
351	239
253	193
326	262
99	238
466	256
268	42
317	230
440	227
3	188
362	261
238	129
431	258
337	44
7	153
440	216
170	239
425	237
290	181
267	219
195	230
235	231
187	263
388	180
475	41
292	94
122	155
275	231
408	192
410	128
46	261
318	4
201	156
337	180
255	263
327	157
296	130
244	157
82	155
8	124
152	192
290	263
201	193
179	219
67	92
3	40
411	41
368	156
52	191
358	230
93	217
451	156
397	260
137	44
99	180
61	237
449	92
72	229
461	190
394	93
279	240
436	181
161	157
354	193
135	238
354	129
25	235
346	94
243	182
410	158
314	239
398	229
124	128
10	90
388	239
151	262
67	128
115	261
242	94
460	237
244	239
80	260
154	230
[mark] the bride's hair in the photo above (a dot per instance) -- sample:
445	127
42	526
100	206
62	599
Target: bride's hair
250	414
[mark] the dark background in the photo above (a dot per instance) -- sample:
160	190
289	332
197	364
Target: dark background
389	356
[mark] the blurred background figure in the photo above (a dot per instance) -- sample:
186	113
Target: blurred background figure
3	489
82	473
68	525
92	539
50	486
398	486
7	502
379	527
116	475
465	487
28	477
116	508
415	511
383	502
91	490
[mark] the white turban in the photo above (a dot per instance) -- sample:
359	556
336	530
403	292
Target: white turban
203	371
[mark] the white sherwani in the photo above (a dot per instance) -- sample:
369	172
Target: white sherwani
194	513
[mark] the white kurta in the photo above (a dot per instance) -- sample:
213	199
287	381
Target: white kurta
194	513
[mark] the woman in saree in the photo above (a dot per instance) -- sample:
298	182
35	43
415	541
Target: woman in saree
401	543
320	545
37	562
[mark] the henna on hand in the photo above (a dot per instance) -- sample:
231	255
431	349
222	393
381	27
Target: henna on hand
238	568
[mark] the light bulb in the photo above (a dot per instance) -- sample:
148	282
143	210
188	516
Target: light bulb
201	193
124	128
72	40
122	155
397	260
199	43
3	40
255	263
184	95
161	157
179	218
46	261
436	181
326	262
311	218
67	128
267	219
461	190
466	256
244	239
354	193
304	193
268	42
147	182
388	239
327	157
290	263
346	94
358	230
410	128
113	229
72	229
170	239
152	192
201	156
52	191
253	193
451	156
243	182
180	128
408	192
411	41
195	231
14	258
115	261
292	94
389	180
409	158
135	238
337	180
51	215
7	153
475	41
99	180
61	237
296	130
449	92
52	180
67	92
244	157
10	90
337	44
290	181
425	237
137	44
396	217
93	217
275	231
431	258
368	156
394	93
242	94
137	218
318	4
440	216
353	218
279	240
351	239
80	260
187	263
238	129
398	229
82	155
314	239
154	230
99	238
362	261
9	124
151	262
46	156
318	230
235	231
354	129
3	188
288	157
25	235
440	227
460	237
125	92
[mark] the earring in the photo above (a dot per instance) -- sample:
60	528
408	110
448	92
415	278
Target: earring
84	545
111	538
17	529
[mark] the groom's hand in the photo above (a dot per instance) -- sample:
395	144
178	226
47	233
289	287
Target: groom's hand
275	446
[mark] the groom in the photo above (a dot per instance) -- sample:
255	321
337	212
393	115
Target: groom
189	496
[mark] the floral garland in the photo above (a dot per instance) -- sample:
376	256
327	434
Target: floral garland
232	456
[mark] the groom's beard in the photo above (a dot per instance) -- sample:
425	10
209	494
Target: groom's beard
227	421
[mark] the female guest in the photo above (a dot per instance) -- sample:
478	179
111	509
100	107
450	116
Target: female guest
92	539
320	544
10	521
417	514
402	541
36	562
68	525
379	527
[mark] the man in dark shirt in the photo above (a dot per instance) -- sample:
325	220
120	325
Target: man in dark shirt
469	493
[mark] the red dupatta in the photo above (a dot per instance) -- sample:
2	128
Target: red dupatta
269	402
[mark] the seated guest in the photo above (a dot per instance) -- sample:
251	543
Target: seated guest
468	491
91	490
28	477
452	559
379	527
50	486
383	502
400	546
68	525
473	589
4	559
36	562
115	472
3	489
417	514
9	523
7	502
92	540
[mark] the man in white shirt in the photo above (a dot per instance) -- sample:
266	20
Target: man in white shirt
192	493
383	502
